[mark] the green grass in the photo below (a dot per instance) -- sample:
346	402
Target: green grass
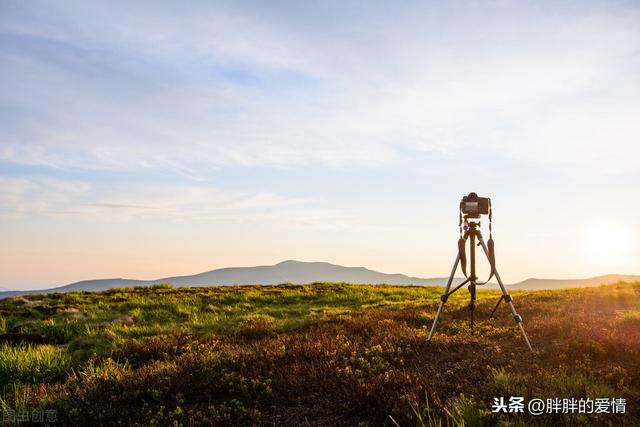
135	313
319	354
31	363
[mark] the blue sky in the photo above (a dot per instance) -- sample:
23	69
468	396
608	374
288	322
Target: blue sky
144	139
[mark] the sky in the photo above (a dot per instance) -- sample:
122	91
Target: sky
147	139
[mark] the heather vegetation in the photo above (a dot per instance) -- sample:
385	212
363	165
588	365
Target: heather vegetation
318	354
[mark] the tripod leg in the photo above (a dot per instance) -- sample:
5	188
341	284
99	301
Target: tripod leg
472	304
472	286
507	297
496	307
443	298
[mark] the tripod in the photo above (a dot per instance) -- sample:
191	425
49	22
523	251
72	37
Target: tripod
472	233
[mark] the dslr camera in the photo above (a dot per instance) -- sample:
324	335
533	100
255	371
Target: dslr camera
473	206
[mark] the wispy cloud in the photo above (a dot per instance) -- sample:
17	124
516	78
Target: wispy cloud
46	197
120	206
29	196
130	87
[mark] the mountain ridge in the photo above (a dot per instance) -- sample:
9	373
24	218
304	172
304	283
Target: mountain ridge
298	272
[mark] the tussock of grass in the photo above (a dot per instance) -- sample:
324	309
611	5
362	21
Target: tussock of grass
31	363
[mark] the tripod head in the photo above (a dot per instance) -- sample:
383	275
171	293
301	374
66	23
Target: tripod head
471	209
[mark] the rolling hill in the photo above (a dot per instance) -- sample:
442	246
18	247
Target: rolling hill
299	272
545	284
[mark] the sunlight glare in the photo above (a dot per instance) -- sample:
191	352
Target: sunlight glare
606	243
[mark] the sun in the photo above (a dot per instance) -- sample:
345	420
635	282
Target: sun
606	243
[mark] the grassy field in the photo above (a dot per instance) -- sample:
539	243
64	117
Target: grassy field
319	354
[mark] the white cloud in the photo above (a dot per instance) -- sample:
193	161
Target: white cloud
29	196
124	88
48	197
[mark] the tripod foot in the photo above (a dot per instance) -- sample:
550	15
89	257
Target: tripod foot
428	343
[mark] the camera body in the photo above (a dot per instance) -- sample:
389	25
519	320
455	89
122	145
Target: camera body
473	206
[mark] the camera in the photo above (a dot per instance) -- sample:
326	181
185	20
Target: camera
473	206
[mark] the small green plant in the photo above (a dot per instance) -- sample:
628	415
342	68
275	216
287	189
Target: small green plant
463	411
160	286
425	416
104	370
66	330
503	380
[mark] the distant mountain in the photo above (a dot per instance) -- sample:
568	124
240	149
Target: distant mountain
540	284
307	272
286	271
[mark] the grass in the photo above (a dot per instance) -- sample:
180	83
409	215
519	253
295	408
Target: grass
319	354
27	363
